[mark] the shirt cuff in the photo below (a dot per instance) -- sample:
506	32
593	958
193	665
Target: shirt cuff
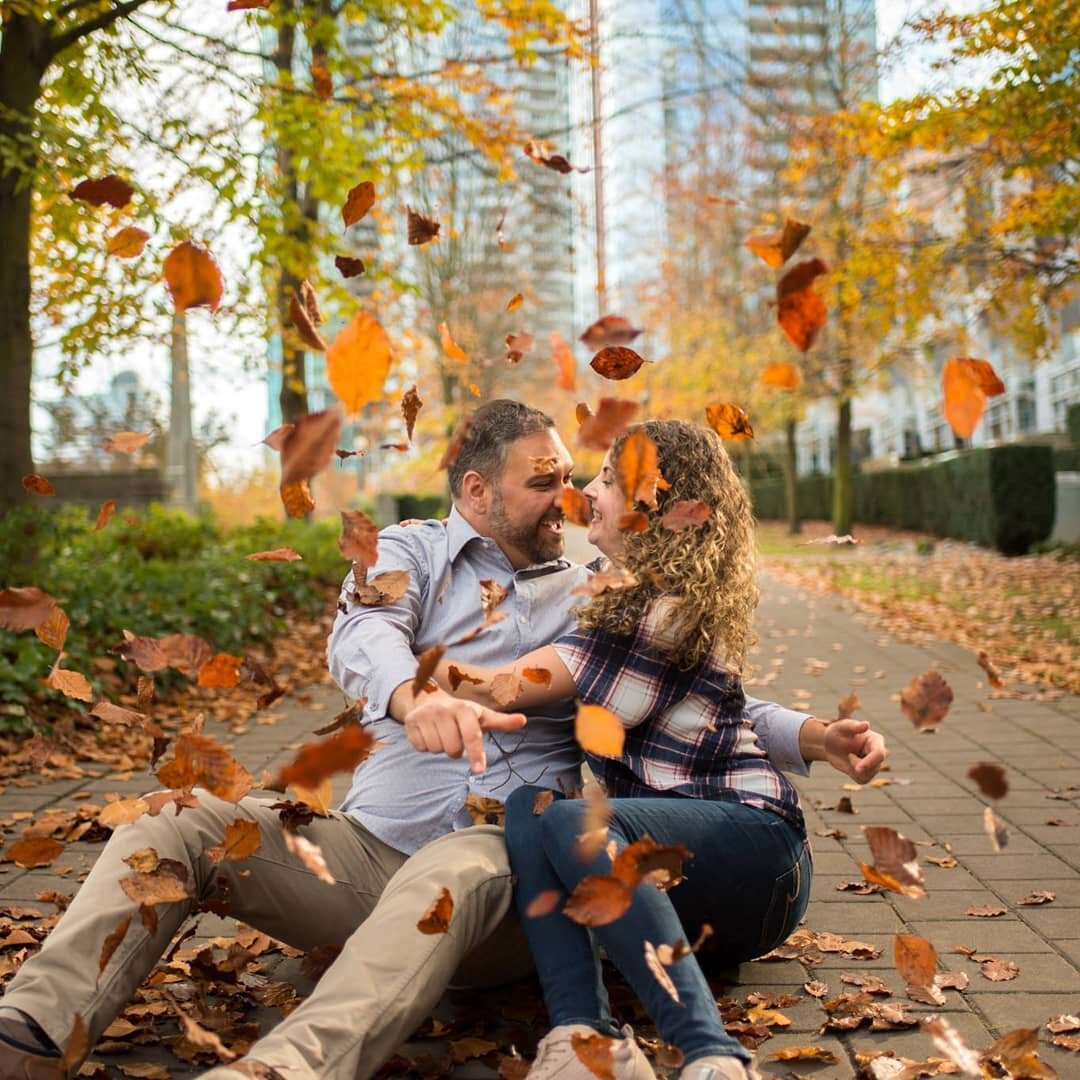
778	730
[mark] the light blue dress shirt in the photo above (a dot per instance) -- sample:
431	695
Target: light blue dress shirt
407	798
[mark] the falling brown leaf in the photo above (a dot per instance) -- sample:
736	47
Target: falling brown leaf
76	1048
949	1041
301	318
310	855
70	683
123	812
359	540
993	673
656	966
517	345
781	376
426	663
421	228
108	508
309	448
53	631
348	266
995	828
635	521
774	249
916	961
565	365
645	859
296	499
411	404
597	431
168	883
436	920
609	330
515	302
37	485
112	943
128	243
598	900
242	840
685	514
543	903
193	277
729	421
926	699
966	384
543	154
576	507
616	362
847	706
800	311
24	608
896	864
599	731
538	675
276	439
492	595
31	851
358	202
990	779
199	761
605	581
341	752
358	362
236	5
505	689
385	588
281	554
109	189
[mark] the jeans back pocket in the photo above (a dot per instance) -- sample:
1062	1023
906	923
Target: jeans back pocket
791	894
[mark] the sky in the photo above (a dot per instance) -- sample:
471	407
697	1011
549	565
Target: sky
228	376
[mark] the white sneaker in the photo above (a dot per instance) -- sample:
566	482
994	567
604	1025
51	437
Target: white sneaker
719	1068
556	1057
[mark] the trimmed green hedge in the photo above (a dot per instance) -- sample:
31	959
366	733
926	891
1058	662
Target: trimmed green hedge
1067	459
1072	422
1001	497
154	572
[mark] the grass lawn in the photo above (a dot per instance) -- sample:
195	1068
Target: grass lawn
1024	611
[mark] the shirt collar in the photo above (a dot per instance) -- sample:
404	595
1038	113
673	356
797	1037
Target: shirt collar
459	532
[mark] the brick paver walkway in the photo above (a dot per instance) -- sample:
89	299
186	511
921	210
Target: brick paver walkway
812	650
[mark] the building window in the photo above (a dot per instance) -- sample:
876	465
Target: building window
1064	390
1025	407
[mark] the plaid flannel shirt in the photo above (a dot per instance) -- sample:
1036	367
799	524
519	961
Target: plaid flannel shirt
685	729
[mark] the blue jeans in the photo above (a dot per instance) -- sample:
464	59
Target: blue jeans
749	879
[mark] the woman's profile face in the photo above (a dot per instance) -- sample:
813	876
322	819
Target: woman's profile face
608	504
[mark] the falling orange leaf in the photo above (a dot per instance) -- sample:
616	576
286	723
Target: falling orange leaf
309	447
729	421
800	311
599	731
609	330
685	514
220	672
359	538
576	507
125	442
199	761
543	903
358	202
638	468
598	900
358	362
966	384
782	376
517	345
595	1053
242	840
515	302
53	631
70	683
436	920
315	761
564	362
193	277
37	485
600	429
281	554
108	508
310	855
926	699
301	317
774	249
450	346
127	243
296	498
322	82
24	607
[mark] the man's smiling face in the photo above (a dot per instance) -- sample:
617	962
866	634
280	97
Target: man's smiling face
525	517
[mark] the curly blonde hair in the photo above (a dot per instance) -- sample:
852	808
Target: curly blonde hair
707	574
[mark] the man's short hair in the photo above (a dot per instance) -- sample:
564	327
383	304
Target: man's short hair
495	426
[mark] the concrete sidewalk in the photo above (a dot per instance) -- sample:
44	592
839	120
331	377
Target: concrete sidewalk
812	652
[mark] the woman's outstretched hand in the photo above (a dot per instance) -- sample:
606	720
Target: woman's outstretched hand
852	747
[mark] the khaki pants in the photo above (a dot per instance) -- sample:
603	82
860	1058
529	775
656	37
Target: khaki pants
387	977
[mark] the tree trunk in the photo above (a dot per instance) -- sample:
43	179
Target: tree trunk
180	467
842	487
791	479
22	67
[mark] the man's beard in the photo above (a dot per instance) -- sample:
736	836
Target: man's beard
533	541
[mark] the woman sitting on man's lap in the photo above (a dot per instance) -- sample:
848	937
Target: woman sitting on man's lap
665	655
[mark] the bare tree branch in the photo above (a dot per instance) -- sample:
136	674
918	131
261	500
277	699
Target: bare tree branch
68	38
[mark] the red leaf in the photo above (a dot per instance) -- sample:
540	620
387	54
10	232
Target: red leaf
598	431
358	202
616	362
799	309
359	539
37	485
109	189
342	752
309	447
